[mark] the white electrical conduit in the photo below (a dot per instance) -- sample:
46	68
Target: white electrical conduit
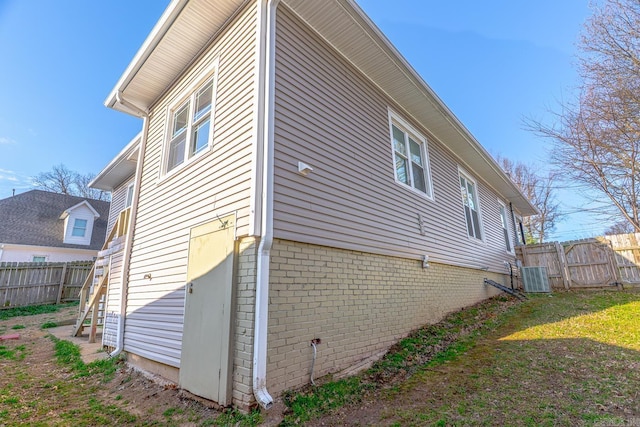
313	362
266	102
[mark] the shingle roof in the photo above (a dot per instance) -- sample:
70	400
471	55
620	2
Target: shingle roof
33	218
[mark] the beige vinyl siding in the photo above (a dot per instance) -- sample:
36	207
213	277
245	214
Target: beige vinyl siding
118	200
214	184
113	300
331	117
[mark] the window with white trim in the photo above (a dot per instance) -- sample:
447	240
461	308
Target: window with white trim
505	226
520	238
190	130
471	207
410	157
79	227
129	199
39	258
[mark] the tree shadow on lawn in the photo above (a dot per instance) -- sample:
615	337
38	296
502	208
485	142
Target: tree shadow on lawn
524	382
566	359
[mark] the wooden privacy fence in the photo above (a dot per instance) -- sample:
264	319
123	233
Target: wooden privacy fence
31	283
626	248
596	262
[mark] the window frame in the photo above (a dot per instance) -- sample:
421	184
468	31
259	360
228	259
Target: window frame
410	133
502	212
74	227
189	97
520	235
479	233
128	198
43	257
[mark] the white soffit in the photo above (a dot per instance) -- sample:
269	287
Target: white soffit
120	168
185	28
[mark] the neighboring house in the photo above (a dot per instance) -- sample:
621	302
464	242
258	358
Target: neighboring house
296	179
40	226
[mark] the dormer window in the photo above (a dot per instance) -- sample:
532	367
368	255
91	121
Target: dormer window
79	227
78	223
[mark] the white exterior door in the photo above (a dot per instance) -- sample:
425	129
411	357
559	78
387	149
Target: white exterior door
206	341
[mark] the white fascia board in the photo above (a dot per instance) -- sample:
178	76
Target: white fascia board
157	33
127	154
68	211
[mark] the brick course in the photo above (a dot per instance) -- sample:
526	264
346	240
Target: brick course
357	303
245	293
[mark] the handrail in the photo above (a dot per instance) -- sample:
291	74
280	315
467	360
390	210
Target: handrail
119	229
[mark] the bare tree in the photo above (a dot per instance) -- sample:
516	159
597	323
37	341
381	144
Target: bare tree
58	180
83	190
540	191
62	180
620	227
597	137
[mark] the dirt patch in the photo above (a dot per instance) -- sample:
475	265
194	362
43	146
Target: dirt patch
35	388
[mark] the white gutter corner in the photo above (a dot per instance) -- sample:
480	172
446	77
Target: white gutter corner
267	27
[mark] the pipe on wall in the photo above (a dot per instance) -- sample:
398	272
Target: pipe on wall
132	223
266	103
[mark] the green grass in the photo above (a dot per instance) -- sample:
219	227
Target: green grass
428	346
18	327
49	325
16	353
68	354
304	406
567	359
33	310
233	417
99	414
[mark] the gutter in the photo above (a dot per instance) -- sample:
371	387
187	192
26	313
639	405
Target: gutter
132	222
157	33
265	135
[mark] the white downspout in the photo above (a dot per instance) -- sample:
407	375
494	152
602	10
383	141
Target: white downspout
267	23
132	223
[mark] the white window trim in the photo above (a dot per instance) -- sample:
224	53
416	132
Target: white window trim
468	177
73	227
209	73
519	233
126	196
39	256
394	118
506	220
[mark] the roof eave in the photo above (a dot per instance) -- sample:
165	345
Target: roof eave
421	103
122	166
508	188
152	41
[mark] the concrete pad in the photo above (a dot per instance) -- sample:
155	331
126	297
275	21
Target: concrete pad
88	351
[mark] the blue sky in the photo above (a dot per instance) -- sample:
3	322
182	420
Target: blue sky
493	63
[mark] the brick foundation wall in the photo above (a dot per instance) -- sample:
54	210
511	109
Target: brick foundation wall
245	292
357	303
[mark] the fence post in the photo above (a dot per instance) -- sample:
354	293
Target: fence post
613	261
525	261
566	275
60	289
